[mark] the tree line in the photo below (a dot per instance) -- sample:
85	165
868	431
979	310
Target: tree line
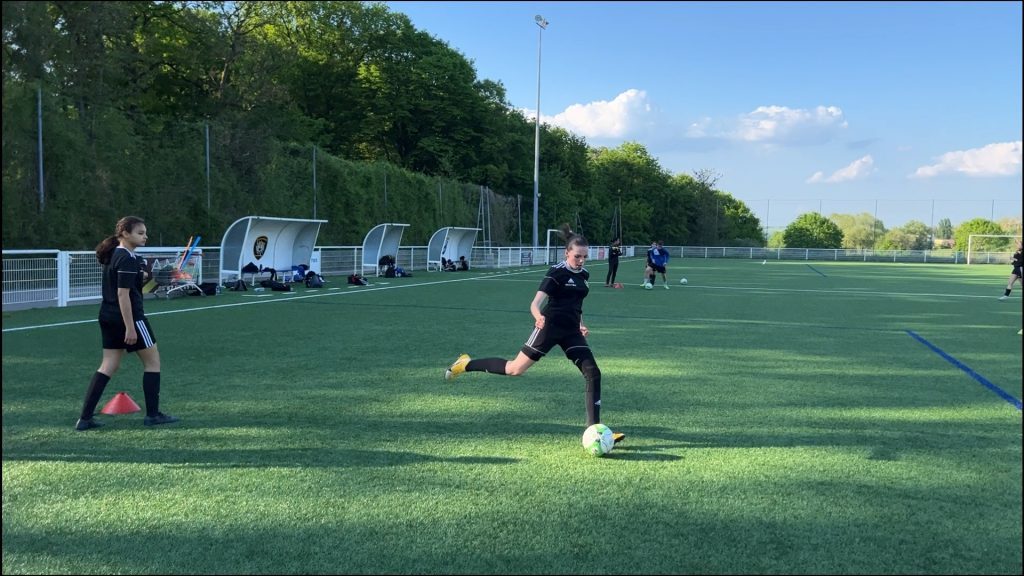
194	114
864	231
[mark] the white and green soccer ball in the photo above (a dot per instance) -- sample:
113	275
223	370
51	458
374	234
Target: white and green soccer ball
682	281
598	440
648	286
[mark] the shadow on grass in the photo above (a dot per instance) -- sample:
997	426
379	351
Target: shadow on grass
251	458
644	453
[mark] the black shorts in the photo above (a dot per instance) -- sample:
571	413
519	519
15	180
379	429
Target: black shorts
1016	271
657	268
541	341
113	335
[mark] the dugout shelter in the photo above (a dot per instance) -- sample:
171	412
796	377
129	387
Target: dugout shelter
382	239
450	243
267	242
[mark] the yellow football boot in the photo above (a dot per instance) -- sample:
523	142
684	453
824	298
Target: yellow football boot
458	367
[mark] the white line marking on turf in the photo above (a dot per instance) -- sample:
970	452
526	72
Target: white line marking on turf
369	288
497	276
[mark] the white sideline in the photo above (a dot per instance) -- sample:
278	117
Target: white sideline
334	291
292	298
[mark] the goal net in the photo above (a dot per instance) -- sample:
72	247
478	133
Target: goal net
991	248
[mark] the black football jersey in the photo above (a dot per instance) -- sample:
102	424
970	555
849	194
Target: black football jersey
124	271
566	290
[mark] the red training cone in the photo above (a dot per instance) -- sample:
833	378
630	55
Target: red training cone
121	403
617	285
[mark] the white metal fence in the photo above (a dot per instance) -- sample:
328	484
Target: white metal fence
43	278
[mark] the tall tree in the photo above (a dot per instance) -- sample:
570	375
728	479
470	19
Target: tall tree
812	230
859	230
963	232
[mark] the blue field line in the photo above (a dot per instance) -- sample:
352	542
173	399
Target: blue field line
816	270
981	379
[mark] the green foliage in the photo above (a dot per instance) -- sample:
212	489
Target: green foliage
913	235
812	230
961	236
777	239
403	127
859	230
944	229
920	234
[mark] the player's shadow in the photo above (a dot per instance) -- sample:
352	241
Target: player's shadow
643	453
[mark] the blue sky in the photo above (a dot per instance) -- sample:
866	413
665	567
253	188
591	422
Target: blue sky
902	110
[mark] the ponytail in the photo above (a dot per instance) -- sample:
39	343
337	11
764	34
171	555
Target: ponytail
105	249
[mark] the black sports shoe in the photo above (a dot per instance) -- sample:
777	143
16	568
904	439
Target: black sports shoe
160	418
87	424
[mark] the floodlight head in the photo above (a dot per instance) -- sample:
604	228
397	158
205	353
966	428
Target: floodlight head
541	21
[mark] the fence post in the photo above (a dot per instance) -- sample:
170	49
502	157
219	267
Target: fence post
63	278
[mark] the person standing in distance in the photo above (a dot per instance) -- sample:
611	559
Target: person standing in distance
613	262
1015	275
557	310
123	323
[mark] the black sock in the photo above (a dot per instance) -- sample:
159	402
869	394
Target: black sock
93	394
592	395
1007	293
151	388
491	365
593	399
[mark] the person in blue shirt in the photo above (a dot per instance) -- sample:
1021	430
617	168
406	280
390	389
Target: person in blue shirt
657	261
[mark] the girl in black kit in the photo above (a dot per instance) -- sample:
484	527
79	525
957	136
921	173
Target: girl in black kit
1015	275
613	262
123	323
560	323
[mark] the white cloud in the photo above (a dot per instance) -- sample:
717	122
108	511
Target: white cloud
856	170
628	115
699	129
789	126
1000	159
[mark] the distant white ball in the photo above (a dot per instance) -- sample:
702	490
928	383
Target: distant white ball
648	286
683	281
598	440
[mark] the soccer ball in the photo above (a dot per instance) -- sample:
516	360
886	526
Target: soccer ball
648	286
682	281
597	440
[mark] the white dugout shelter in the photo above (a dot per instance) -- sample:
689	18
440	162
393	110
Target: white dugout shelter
267	242
380	240
450	243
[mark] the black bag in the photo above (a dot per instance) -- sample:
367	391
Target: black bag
314	280
358	280
275	286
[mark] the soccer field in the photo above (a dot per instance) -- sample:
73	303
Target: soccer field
796	418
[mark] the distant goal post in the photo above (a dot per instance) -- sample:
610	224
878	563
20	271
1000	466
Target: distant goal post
976	242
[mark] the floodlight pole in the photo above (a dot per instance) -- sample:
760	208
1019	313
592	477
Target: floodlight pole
542	24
